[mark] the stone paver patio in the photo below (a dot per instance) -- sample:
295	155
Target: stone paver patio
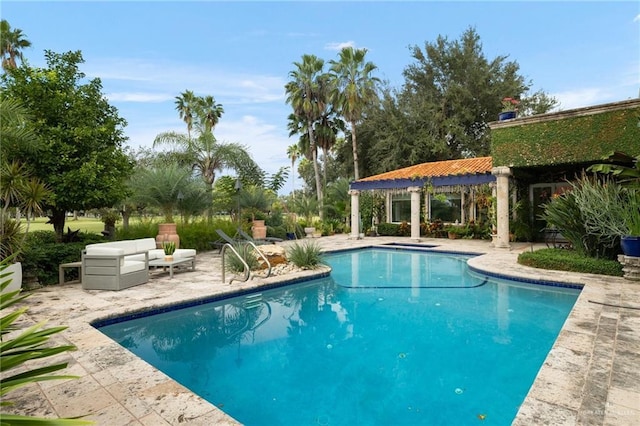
590	377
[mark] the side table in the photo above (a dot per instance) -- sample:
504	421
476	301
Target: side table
63	266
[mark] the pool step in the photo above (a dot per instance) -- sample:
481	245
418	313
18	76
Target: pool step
252	301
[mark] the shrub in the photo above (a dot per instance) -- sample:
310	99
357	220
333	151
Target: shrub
570	260
246	252
307	255
589	216
388	229
42	254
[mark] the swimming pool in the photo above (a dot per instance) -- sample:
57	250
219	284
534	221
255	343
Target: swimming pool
392	337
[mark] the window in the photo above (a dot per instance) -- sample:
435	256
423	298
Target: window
447	207
400	208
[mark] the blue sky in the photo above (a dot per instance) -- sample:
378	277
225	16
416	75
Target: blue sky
147	52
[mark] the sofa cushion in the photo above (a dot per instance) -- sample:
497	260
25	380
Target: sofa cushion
129	246
99	250
132	266
145	244
184	253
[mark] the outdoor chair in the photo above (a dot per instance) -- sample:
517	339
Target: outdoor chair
224	239
258	241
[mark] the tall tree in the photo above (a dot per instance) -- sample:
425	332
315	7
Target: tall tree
206	155
306	95
209	112
82	161
454	86
13	43
355	89
293	152
186	105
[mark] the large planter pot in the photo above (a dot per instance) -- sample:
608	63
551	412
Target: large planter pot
259	230
15	279
167	232
506	115
630	245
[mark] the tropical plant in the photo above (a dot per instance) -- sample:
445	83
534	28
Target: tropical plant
293	152
159	187
246	252
355	88
18	347
11	238
308	93
626	175
185	105
12	44
306	255
256	201
169	247
206	155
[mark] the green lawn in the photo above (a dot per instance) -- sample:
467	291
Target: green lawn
84	224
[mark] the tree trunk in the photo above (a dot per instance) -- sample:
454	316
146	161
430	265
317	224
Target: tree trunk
125	217
355	151
314	152
57	219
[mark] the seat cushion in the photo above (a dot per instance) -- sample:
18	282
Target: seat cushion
132	266
184	253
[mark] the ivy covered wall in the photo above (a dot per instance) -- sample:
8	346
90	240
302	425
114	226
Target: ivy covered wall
570	140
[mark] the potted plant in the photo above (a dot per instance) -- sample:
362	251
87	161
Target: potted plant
109	218
290	224
509	109
630	242
11	243
169	248
455	231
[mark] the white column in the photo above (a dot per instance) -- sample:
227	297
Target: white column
387	206
415	212
355	214
502	209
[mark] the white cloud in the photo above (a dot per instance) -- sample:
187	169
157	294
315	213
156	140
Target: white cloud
637	18
583	97
138	97
153	80
339	45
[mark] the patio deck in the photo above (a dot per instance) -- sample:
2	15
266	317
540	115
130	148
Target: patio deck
591	376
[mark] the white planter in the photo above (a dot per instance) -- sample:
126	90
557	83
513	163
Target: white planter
309	231
16	277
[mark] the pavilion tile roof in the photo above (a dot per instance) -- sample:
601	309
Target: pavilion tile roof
466	166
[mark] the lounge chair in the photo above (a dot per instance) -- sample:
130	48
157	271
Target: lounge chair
224	239
258	241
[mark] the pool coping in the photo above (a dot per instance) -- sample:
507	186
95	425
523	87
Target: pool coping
591	375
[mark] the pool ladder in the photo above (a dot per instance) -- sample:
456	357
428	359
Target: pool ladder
246	271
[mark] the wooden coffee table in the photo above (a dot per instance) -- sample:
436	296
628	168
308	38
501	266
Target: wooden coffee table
161	263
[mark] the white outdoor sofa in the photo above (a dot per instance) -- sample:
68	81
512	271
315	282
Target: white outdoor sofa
117	265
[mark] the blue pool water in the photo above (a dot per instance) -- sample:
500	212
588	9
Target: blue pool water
391	337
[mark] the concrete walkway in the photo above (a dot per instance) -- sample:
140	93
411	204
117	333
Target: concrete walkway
590	377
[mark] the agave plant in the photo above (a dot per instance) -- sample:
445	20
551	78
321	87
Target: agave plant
22	346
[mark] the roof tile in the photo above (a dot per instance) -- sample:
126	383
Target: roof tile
479	165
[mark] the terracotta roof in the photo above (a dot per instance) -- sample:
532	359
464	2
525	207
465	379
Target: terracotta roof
467	166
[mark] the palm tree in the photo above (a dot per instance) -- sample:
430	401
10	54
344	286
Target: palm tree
355	89
293	152
209	112
306	95
186	104
13	42
206	154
